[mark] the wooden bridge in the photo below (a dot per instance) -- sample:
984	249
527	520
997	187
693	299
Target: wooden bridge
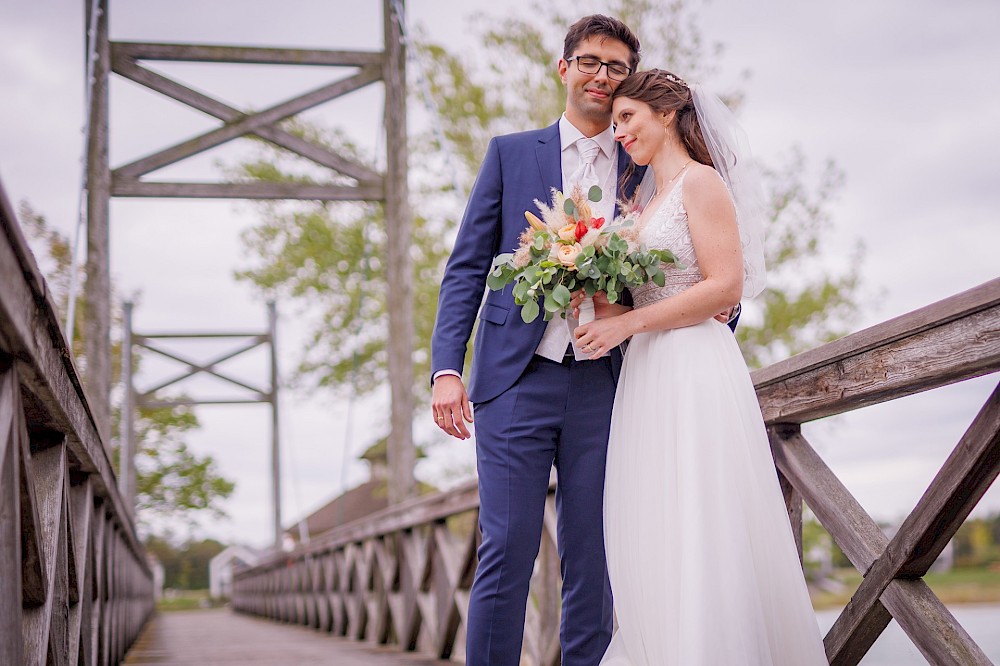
75	587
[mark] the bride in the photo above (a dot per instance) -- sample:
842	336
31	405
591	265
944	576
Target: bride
701	556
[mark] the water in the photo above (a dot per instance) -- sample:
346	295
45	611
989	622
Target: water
893	648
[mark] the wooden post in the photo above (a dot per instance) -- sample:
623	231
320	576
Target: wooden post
126	426
97	289
399	270
272	325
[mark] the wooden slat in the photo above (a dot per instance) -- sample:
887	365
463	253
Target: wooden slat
949	341
11	647
244	54
955	491
135	188
920	614
128	68
931	626
81	615
246	125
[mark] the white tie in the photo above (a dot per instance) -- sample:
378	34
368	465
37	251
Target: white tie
585	174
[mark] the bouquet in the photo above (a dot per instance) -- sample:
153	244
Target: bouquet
568	249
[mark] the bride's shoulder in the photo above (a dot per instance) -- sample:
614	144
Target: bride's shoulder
702	175
703	182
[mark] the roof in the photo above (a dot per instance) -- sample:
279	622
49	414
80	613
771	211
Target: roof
355	503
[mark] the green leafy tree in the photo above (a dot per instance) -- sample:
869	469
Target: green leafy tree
171	481
803	306
330	256
185	566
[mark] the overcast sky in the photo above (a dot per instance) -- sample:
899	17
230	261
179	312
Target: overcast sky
903	95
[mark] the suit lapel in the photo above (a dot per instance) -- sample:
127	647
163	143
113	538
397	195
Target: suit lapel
548	152
626	190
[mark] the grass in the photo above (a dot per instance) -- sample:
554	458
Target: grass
958	586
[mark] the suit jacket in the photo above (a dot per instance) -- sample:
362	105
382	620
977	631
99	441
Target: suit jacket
518	168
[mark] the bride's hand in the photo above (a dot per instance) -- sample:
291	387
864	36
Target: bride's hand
602	308
599	337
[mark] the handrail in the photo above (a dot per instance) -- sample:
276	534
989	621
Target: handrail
76	585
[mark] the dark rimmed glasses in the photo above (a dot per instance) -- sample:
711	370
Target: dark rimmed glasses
592	65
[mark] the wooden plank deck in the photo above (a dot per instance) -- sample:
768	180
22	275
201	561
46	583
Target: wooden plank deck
221	637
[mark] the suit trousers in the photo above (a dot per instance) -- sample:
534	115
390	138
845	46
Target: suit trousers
554	414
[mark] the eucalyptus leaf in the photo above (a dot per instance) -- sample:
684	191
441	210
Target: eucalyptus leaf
594	194
529	312
561	295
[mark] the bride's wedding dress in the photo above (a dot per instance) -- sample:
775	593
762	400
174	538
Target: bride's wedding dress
701	556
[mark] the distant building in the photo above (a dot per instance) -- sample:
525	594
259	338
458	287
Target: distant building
358	502
158	575
222	567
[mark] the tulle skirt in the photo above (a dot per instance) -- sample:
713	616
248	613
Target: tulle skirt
701	556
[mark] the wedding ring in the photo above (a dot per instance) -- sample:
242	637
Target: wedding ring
440	418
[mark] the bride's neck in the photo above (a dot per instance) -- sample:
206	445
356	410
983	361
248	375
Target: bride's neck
666	163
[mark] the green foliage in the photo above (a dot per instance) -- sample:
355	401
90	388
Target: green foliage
331	257
171	481
185	567
805	304
977	543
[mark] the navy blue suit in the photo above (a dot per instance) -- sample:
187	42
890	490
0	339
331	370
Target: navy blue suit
530	413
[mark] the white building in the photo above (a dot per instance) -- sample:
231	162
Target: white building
222	566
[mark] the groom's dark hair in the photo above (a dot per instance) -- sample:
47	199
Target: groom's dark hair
598	25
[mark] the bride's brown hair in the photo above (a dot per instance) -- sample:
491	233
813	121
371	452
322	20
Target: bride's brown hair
666	92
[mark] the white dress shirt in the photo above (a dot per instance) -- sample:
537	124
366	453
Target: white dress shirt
557	336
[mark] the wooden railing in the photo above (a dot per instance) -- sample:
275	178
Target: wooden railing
402	576
75	587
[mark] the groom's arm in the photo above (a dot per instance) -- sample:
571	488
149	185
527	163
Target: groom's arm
465	273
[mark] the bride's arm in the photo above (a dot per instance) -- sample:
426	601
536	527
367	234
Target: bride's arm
716	240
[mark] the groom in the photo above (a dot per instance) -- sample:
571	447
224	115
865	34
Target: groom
535	405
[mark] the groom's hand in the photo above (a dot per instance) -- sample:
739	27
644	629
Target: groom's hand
450	406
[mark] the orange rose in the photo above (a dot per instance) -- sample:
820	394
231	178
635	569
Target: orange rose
568	233
568	255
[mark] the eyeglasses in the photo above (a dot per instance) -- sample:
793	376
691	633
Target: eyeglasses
592	65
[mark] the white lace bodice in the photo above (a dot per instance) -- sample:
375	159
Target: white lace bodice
667	229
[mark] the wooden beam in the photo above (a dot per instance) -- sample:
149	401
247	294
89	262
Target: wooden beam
12	522
399	264
847	522
245	54
32	333
840	513
209	367
248	124
97	286
184	402
934	346
302	191
129	69
959	485
917	610
931	626
142	338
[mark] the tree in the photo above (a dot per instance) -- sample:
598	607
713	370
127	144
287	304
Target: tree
329	256
803	305
171	481
185	567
